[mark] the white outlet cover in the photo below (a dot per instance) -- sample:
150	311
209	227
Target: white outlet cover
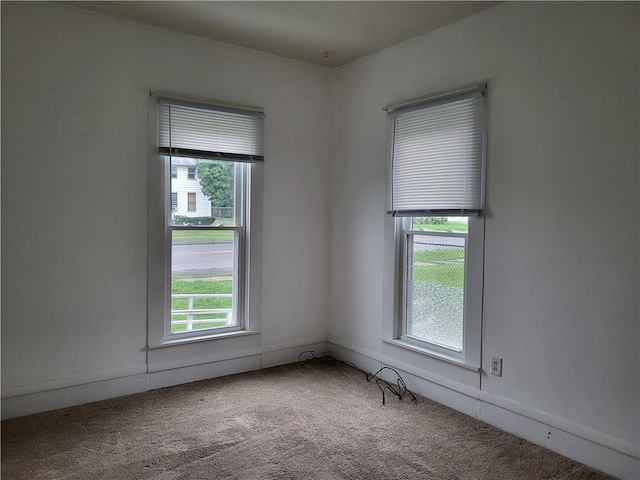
496	366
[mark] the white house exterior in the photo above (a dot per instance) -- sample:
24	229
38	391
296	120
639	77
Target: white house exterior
187	198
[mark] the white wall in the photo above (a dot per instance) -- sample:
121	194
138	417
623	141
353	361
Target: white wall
74	192
561	264
561	276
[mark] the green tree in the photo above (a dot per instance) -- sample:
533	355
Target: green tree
216	179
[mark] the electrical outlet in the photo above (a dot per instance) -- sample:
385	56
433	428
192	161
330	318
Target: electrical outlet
496	366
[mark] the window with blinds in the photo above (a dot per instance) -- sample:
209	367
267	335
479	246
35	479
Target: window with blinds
436	191
207	154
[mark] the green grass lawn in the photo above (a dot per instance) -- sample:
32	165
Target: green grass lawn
441	255
202	236
197	326
200	285
442	266
457	227
447	274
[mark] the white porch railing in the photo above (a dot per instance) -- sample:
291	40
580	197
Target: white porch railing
190	311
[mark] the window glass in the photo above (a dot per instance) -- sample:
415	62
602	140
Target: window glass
436	192
217	180
200	210
204	246
202	279
435	281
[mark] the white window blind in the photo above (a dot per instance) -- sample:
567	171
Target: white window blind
216	133
437	156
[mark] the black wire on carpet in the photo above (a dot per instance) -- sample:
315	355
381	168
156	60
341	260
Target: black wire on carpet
399	389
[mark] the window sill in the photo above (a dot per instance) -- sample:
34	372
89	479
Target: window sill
429	353
203	338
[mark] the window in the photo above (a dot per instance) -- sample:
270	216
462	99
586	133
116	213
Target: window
436	193
191	202
174	171
207	268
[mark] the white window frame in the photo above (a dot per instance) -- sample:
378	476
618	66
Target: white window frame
242	180
174	206
473	293
247	247
470	354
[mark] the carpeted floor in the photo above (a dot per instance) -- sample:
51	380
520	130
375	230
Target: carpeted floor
301	421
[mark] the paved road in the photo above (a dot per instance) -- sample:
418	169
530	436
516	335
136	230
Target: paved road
215	258
202	259
432	242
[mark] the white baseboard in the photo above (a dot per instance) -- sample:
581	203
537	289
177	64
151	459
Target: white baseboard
288	354
582	444
203	371
42	397
73	381
603	452
70	396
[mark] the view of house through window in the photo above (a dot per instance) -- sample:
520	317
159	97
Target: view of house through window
208	156
435	279
203	246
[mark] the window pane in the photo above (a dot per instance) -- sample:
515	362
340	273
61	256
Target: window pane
217	179
202	280
205	192
441	224
435	289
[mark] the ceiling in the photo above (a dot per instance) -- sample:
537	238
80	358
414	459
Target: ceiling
329	33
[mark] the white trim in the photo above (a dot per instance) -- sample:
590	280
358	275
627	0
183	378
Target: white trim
473	293
291	354
19	390
349	346
562	424
431	377
201	360
203	338
430	353
442	95
295	343
41	397
591	447
596	454
203	371
205	101
70	396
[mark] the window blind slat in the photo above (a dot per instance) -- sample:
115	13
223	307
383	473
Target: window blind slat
437	158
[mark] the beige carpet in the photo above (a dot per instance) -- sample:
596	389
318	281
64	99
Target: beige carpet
310	421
